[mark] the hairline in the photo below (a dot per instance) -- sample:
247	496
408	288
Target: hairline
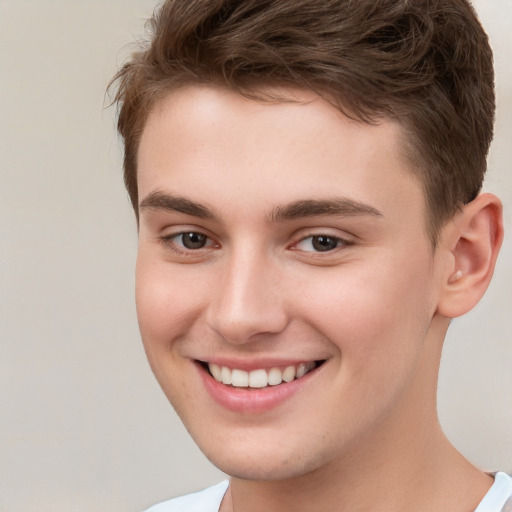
267	92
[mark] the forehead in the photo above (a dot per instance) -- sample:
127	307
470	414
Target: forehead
210	141
195	112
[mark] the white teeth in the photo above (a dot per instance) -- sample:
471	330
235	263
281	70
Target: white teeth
225	375
215	371
275	376
301	370
258	378
239	378
289	373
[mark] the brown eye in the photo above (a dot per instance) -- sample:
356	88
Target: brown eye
193	240
321	243
324	243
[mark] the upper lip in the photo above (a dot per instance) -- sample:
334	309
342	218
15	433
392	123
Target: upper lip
256	364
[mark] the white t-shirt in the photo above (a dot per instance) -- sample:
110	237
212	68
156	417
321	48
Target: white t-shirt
497	499
207	500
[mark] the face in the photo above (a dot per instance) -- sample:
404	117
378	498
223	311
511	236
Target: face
286	285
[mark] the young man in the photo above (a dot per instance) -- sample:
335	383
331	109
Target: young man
306	179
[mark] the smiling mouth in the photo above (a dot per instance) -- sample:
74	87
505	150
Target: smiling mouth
260	378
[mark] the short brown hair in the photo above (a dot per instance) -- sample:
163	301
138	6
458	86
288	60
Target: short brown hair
425	63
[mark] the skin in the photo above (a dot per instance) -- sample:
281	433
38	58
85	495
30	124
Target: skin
375	306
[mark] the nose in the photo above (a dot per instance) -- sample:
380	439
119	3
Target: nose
249	299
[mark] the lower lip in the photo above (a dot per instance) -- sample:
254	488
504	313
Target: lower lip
252	400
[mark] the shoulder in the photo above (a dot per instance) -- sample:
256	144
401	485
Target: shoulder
499	497
207	500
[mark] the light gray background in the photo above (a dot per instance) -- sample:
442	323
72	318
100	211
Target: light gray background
83	426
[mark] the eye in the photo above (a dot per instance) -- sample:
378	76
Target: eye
321	243
187	241
192	240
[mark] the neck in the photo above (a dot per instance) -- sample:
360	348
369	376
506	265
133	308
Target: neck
404	463
433	477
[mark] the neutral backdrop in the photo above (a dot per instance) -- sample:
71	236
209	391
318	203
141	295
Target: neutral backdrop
83	424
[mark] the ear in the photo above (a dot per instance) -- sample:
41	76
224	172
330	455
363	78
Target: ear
472	242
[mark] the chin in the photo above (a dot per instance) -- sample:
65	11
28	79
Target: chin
256	471
266	463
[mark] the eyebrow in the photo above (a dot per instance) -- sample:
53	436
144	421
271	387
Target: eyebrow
339	206
162	201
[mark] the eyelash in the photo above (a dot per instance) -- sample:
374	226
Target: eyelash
338	241
170	242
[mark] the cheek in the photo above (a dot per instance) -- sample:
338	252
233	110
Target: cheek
167	301
373	313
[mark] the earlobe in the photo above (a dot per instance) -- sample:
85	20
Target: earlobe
474	240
